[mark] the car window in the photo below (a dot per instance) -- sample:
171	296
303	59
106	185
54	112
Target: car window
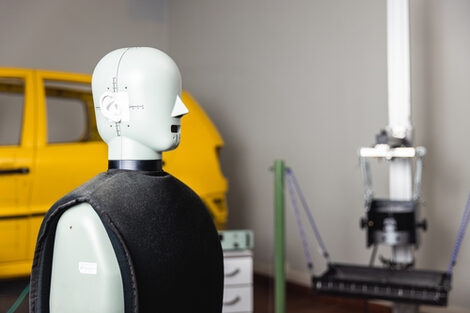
11	110
70	115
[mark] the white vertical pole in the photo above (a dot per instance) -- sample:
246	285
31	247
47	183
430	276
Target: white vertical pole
399	113
399	103
398	61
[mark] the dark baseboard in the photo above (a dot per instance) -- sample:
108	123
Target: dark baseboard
354	304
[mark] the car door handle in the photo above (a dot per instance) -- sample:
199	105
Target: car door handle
10	171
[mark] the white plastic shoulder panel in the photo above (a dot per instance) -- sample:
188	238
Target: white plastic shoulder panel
85	273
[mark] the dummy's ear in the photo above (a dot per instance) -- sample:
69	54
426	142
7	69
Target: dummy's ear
179	109
115	106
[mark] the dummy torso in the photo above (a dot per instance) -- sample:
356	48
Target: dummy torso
133	239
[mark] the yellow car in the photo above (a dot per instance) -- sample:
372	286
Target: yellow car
49	145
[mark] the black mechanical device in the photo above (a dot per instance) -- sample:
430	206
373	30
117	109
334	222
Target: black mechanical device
400	285
392	222
389	222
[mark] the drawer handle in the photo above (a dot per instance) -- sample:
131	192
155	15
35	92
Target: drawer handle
232	302
233	273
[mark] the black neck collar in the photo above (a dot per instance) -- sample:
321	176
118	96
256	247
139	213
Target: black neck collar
136	165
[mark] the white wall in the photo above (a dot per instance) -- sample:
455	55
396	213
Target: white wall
442	106
70	35
305	81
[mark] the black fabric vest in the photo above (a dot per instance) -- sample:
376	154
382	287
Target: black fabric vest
166	244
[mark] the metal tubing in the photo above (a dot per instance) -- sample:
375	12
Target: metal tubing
398	68
279	238
399	114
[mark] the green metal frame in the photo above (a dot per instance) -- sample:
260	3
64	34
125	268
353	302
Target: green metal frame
279	238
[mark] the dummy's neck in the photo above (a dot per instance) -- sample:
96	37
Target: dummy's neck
136	165
127	153
124	148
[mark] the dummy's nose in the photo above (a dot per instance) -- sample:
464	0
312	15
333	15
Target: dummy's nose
179	110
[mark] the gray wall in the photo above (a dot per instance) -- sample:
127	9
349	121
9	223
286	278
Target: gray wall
74	35
305	81
442	104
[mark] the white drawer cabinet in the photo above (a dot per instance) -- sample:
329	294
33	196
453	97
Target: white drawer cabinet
238	282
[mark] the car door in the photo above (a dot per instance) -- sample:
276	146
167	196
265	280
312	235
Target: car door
17	122
69	149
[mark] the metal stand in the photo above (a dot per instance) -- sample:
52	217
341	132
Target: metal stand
396	216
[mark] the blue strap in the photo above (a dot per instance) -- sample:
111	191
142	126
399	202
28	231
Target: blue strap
458	242
316	232
308	257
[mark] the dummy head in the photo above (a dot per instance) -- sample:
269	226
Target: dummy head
138	107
